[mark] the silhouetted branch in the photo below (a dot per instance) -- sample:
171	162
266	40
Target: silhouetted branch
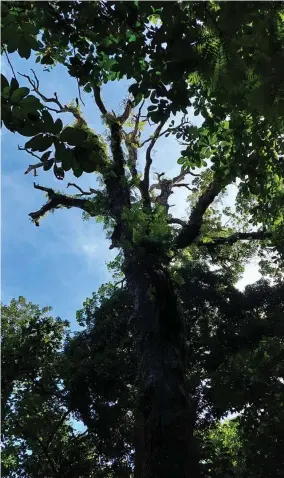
175	220
191	231
55	201
83	193
98	100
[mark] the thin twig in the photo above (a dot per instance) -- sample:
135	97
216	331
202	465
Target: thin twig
83	193
181	185
10	64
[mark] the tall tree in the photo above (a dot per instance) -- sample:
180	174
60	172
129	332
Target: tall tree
236	144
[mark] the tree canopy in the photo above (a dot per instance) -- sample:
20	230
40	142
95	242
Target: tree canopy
224	61
234	364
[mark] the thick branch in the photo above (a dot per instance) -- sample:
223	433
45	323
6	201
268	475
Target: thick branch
191	231
48	457
238	236
55	201
176	220
98	100
126	113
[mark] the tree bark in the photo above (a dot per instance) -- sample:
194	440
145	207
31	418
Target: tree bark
165	416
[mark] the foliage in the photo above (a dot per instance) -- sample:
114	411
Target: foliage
235	357
223	60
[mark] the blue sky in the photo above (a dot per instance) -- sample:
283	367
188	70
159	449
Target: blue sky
64	260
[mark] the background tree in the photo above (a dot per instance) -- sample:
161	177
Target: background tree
234	356
240	142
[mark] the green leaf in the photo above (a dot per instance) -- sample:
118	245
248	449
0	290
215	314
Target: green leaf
45	156
66	159
4	82
27	130
6	92
73	136
30	28
181	160
14	84
48	164
19	94
24	49
17	113
39	143
48	123
30	103
32	42
77	170
58	125
13	43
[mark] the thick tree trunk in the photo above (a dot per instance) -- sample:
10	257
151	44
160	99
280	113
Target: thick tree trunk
165	417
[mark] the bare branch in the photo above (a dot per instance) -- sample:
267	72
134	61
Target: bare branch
20	148
191	231
62	108
55	201
238	236
175	220
145	182
182	175
182	185
10	64
98	100
34	167
125	115
137	120
35	84
166	131
83	193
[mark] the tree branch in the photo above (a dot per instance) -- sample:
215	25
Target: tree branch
145	181
48	457
174	128
83	193
125	115
55	201
62	108
238	236
98	100
176	220
137	120
182	185
10	64
191	231
60	422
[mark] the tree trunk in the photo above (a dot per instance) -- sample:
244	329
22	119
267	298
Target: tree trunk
165	417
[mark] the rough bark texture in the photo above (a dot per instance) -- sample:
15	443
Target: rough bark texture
164	421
